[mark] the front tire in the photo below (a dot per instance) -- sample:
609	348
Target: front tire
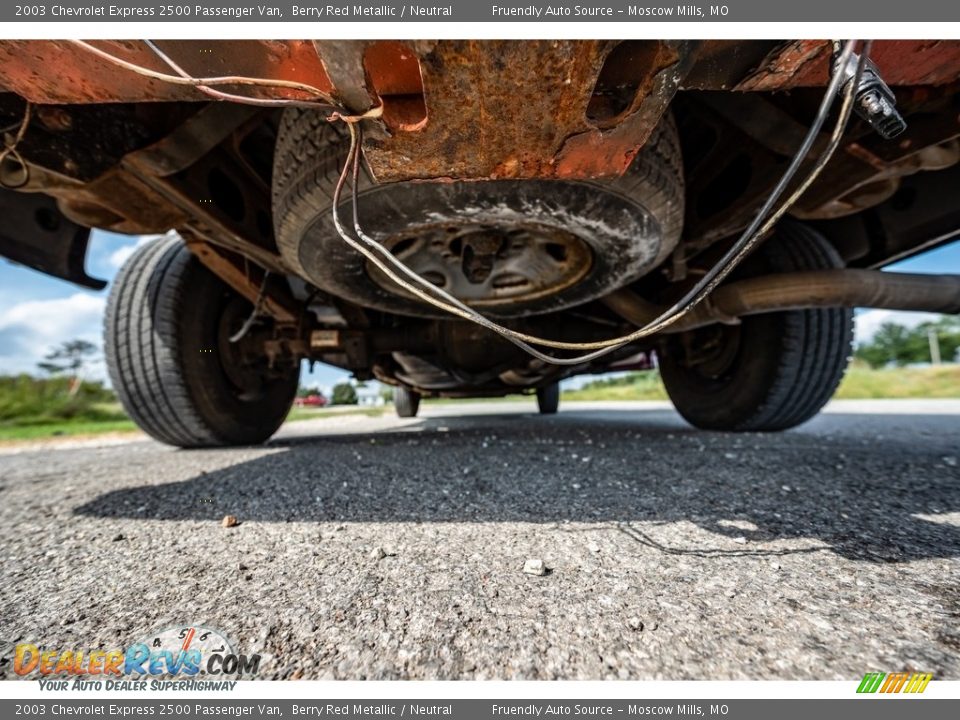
772	371
176	373
406	402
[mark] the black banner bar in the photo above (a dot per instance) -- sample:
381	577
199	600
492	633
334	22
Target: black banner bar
618	11
873	707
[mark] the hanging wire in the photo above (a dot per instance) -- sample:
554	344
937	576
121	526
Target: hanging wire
9	149
255	313
207	85
762	223
204	81
756	231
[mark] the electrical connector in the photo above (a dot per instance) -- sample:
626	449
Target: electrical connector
874	101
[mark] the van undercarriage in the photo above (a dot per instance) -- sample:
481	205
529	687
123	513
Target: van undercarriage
572	191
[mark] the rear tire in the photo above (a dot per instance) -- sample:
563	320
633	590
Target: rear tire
175	373
772	371
548	399
406	402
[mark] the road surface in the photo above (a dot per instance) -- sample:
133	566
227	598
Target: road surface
385	548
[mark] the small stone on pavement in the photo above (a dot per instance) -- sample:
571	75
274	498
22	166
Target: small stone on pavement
535	566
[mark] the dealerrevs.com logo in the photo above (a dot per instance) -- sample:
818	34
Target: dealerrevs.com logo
184	652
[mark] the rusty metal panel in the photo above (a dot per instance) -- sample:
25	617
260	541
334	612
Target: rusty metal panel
494	109
470	109
518	109
805	63
456	109
608	150
52	71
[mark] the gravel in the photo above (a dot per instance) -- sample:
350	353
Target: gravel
400	558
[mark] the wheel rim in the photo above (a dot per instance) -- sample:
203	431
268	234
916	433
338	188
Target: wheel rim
583	239
236	358
486	264
712	352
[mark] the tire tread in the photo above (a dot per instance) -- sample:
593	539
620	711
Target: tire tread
149	361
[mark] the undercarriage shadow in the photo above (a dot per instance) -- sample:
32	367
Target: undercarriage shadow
861	484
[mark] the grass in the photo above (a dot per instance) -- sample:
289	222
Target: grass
114	420
860	383
95	418
636	386
306	413
65	428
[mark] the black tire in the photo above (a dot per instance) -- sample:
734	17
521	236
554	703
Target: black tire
634	221
406	402
165	346
548	399
772	371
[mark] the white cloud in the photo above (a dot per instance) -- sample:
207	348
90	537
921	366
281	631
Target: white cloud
28	330
869	321
119	256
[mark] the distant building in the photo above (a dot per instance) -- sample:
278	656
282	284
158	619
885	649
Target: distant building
369	394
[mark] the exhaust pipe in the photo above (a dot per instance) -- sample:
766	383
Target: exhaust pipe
799	291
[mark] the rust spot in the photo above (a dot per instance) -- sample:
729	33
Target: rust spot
393	70
625	79
56	72
508	109
784	65
805	63
608	152
524	109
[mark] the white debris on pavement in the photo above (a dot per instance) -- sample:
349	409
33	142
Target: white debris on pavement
535	566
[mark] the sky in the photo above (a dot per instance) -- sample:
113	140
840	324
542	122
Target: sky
37	312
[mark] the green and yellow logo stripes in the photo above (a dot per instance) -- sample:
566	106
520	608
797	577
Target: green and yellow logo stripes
894	682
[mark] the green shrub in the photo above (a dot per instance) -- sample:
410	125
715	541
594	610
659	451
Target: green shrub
26	400
343	394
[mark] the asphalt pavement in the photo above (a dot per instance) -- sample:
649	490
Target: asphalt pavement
387	549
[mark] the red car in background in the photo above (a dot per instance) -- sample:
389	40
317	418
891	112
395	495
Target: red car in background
310	401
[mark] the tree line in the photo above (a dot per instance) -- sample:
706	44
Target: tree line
897	345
